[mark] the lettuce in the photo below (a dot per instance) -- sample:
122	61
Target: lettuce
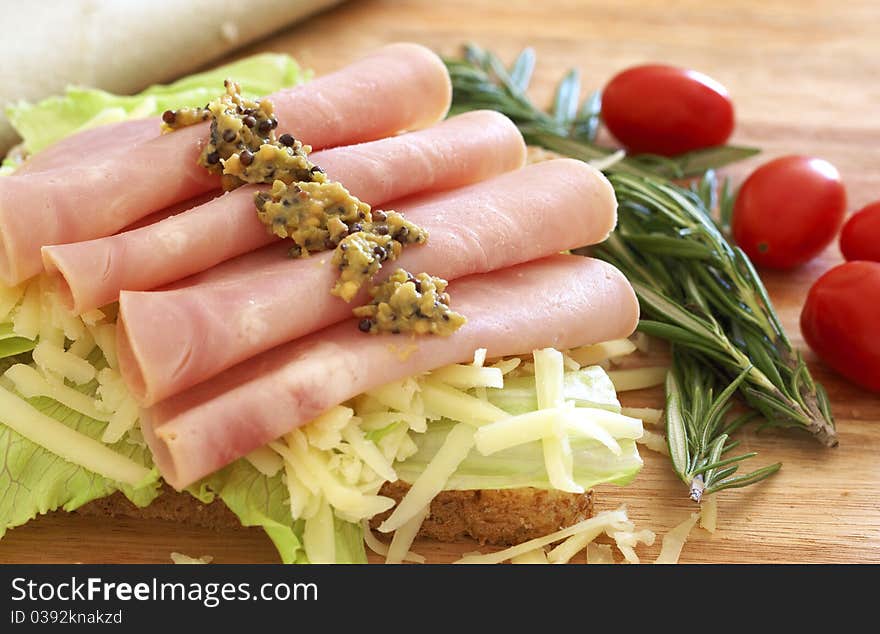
524	465
11	344
52	119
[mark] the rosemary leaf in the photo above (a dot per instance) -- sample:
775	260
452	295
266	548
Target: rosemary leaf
522	69
565	105
745	480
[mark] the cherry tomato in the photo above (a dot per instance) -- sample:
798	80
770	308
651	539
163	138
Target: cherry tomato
860	238
840	319
666	110
788	210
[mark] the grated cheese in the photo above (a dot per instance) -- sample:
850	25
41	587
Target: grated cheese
585	426
515	430
123	419
325	432
637	379
266	461
468	376
299	496
83	346
709	513
604	519
60	317
627	540
396	395
31	384
537	556
310	466
319	536
368	452
406	448
405	536
431	481
674	541
26	320
67	443
442	401
550	387
392	444
599	554
93	317
49	331
647	415
380	420
559	462
365	404
549	378
112	391
479	357
508	365
655	442
380	548
180	558
105	338
618	425
564	552
597	353
55	360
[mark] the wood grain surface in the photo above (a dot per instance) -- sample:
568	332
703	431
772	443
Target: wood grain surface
804	77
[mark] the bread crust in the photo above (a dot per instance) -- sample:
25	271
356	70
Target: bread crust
499	516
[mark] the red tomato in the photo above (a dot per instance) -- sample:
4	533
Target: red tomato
860	238
840	320
666	110
788	211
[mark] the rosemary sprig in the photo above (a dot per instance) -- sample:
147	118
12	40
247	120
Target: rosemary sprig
698	434
701	293
696	289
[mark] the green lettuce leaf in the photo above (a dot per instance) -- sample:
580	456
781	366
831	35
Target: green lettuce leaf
51	119
523	465
11	344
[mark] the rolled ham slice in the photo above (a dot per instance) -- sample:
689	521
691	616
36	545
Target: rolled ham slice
461	150
561	301
168	341
401	86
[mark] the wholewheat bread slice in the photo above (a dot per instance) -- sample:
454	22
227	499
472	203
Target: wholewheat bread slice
500	516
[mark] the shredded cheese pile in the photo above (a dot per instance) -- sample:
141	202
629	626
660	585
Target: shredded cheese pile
71	351
339	462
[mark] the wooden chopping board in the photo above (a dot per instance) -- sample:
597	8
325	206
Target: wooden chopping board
804	80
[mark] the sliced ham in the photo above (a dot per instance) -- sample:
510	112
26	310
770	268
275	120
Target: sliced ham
561	301
93	142
171	340
461	150
401	86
